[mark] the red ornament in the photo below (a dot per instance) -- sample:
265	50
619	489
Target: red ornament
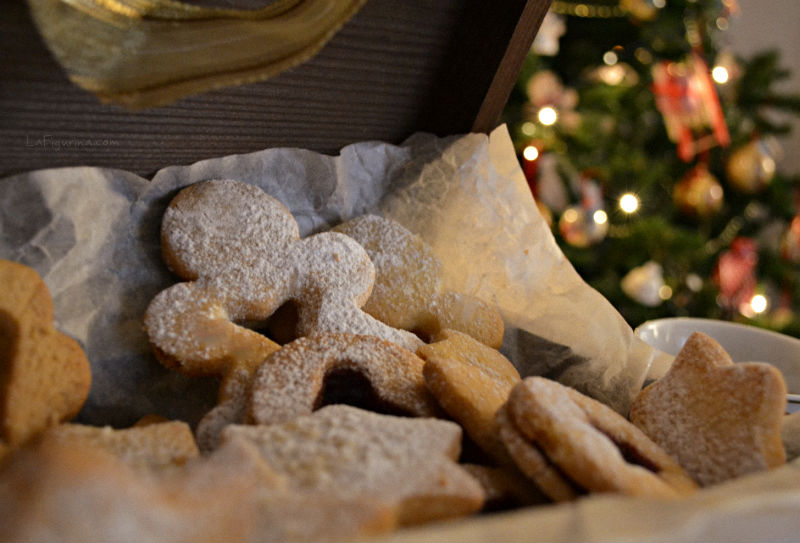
735	273
686	97
790	242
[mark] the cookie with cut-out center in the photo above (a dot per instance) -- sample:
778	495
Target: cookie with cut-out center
592	445
470	381
240	253
408	290
718	418
44	374
408	464
291	382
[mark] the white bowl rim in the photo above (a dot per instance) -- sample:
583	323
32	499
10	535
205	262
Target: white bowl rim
720	323
792	397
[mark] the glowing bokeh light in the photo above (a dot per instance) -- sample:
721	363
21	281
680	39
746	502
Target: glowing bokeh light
547	116
720	74
629	202
530	153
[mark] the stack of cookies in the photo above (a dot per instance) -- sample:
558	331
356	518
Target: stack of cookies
357	395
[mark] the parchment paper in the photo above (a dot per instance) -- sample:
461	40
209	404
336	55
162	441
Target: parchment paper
93	236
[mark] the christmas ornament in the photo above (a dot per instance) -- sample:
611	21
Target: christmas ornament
689	104
642	10
645	284
585	224
790	242
545	90
698	193
546	41
581	227
735	273
619	73
550	187
750	168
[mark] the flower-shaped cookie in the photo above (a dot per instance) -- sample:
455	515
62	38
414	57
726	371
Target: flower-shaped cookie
409	293
719	419
44	374
241	253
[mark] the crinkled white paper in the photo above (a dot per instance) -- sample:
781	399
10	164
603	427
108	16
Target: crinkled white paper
93	234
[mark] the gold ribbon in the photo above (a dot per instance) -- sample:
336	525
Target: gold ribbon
147	53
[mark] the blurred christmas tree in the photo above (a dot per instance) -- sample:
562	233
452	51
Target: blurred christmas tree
653	150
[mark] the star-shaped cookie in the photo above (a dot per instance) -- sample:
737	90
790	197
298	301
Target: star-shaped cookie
717	418
408	464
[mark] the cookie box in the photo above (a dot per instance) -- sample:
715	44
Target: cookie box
396	115
395	68
743	342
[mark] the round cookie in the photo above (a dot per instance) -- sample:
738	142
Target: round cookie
470	381
532	462
591	444
291	381
408	290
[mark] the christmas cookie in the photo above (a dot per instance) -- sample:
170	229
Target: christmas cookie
45	376
532	462
150	445
231	405
719	419
73	490
590	444
408	290
470	381
241	256
407	464
504	488
291	381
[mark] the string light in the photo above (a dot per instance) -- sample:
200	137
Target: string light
528	128
583	9
759	303
720	74
610	58
629	202
547	116
530	153
600	216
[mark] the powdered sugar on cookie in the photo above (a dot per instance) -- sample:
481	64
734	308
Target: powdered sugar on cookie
290	382
240	249
408	291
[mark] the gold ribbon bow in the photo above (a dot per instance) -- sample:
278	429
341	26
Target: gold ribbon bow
146	53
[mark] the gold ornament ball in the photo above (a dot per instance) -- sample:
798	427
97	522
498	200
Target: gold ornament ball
698	193
750	168
581	228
